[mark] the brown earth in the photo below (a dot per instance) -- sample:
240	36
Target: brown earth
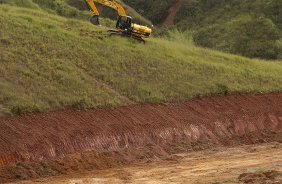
265	177
65	141
251	164
169	21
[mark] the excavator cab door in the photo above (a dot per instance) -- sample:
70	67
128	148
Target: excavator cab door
124	23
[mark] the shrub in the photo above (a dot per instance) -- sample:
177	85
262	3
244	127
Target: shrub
247	36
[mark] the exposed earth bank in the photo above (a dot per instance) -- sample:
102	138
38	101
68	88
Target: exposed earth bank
65	141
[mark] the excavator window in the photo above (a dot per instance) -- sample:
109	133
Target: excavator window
124	22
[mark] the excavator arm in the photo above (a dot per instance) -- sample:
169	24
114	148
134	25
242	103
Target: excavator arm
109	3
124	26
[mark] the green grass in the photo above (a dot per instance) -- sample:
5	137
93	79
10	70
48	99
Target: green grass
175	35
50	62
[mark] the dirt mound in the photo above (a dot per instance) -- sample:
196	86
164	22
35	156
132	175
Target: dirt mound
266	177
126	134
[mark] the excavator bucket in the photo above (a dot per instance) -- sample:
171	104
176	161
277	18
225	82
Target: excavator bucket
95	20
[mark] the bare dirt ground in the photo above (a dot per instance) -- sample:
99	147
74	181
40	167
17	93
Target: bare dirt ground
69	141
220	165
169	21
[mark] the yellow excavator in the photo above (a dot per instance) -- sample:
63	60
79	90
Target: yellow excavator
124	25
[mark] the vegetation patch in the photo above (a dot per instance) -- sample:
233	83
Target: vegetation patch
248	28
247	36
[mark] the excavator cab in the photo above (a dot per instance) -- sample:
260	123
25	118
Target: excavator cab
124	22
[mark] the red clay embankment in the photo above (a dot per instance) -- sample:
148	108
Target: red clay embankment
226	120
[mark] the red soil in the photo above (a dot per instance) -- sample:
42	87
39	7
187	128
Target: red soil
266	177
214	120
171	13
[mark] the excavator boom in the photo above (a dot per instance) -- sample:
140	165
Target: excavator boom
110	3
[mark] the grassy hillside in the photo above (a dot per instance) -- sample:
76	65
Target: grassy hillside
60	7
48	62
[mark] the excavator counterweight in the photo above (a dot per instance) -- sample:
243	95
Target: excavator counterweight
124	25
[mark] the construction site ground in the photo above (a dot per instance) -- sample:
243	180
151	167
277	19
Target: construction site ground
218	165
225	139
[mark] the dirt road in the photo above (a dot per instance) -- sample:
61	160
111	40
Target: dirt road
219	165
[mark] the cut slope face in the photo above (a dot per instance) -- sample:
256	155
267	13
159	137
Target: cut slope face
210	121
